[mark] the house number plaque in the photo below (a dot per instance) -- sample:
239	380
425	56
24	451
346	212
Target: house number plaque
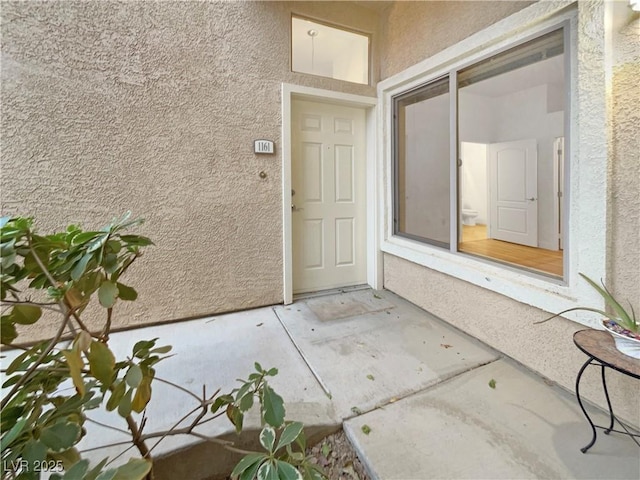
263	146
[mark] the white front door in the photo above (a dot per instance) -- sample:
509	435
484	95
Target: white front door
328	205
513	192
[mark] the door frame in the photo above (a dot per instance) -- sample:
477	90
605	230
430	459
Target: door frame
290	93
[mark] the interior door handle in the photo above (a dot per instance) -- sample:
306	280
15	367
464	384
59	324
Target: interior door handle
295	209
532	199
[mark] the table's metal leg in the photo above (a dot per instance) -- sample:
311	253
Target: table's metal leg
606	395
593	427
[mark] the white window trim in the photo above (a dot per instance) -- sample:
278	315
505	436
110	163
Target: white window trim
585	230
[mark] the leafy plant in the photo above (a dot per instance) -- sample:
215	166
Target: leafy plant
277	462
42	423
626	319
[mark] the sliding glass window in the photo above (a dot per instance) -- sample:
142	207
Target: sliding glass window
422	150
510	130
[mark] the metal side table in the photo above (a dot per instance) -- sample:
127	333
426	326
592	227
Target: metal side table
601	350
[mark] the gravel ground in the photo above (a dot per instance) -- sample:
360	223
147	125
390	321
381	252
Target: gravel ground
338	459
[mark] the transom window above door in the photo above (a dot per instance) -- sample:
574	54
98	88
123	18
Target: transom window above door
478	158
328	51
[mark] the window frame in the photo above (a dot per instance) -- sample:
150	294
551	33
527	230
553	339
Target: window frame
585	202
454	137
367	35
396	198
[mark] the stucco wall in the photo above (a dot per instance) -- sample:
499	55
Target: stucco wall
415	30
624	177
508	325
153	107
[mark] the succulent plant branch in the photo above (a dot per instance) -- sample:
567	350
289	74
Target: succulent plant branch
623	317
41	420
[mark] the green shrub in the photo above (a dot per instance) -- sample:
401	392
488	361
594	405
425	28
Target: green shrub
42	424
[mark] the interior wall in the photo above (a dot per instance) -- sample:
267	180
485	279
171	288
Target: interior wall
517	116
476	129
476	121
153	107
474	179
426	172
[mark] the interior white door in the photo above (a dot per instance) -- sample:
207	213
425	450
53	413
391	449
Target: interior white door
513	191
328	202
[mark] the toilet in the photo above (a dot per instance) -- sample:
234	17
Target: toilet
469	216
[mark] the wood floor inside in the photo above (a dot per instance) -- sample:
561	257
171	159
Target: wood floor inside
475	241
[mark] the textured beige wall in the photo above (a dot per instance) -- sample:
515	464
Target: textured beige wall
507	325
153	107
413	31
624	168
624	172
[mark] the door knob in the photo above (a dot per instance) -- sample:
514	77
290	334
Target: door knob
295	209
532	199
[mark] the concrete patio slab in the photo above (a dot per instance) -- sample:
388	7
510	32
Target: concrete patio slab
214	352
335	307
386	350
421	386
464	429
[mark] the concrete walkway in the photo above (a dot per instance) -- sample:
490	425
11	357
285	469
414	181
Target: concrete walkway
436	403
